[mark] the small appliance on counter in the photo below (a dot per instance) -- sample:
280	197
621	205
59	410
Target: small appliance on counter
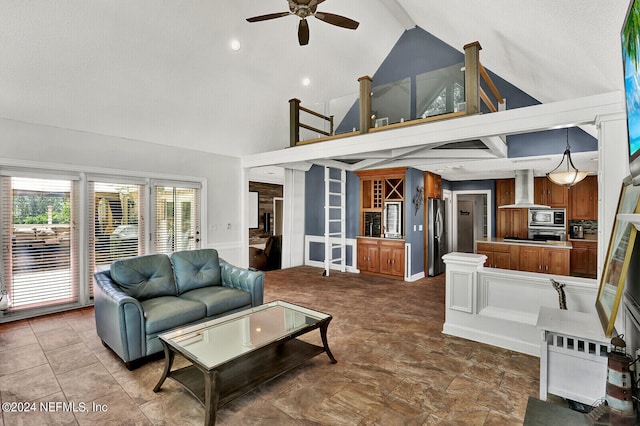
576	231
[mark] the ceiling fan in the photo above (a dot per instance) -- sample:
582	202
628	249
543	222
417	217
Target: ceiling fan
303	9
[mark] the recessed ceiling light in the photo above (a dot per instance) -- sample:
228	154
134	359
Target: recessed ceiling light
594	159
306	81
235	45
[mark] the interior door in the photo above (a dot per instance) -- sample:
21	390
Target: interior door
464	217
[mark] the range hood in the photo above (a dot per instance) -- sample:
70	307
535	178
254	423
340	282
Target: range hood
524	192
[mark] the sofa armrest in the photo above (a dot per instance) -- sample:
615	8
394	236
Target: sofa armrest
119	318
243	279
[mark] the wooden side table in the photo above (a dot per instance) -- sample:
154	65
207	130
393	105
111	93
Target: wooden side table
573	355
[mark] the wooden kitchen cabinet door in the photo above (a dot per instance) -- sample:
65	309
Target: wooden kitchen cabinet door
584	199
556	261
530	260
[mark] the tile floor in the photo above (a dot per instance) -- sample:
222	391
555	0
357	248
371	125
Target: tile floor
394	367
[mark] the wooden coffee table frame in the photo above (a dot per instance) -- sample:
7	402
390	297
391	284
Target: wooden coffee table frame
217	386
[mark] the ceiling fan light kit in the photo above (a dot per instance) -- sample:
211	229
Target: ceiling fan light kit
303	9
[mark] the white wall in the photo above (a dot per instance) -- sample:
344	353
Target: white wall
25	144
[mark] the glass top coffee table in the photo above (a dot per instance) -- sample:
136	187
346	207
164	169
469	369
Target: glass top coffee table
238	352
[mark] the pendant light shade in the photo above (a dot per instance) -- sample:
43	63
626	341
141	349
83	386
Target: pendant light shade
566	174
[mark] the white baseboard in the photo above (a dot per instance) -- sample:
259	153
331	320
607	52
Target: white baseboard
492	339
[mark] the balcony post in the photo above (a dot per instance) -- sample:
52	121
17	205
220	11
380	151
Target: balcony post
365	104
294	121
472	77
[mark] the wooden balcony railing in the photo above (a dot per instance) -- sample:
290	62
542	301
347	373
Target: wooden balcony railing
294	110
474	74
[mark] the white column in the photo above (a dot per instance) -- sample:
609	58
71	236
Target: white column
613	167
293	220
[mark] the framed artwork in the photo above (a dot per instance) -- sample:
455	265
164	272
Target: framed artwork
618	257
253	210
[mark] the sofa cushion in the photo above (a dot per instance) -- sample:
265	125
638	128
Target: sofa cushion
196	269
167	312
145	277
219	299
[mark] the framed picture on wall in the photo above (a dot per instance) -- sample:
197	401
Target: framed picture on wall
252	211
618	257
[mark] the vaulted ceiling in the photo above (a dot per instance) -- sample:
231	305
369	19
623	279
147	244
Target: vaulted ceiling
163	71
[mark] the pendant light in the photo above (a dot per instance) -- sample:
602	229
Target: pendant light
566	175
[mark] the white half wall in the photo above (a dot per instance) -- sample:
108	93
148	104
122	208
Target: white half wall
500	307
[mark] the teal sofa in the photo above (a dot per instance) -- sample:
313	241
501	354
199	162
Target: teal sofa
138	298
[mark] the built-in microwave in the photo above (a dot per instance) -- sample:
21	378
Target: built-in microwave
547	218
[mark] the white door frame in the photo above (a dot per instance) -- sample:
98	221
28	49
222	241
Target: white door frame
486	192
447	197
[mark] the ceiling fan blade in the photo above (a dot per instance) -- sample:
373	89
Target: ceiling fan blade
269	16
303	32
337	20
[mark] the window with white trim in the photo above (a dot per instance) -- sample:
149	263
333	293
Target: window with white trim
117	222
177	216
39	219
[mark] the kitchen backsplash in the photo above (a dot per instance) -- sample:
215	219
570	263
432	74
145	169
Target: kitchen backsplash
588	226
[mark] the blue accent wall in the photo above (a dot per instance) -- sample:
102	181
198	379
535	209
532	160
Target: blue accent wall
314	208
414	178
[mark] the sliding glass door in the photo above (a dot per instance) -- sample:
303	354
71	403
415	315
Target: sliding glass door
40	241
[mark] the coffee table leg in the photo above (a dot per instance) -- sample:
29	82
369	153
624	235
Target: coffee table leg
325	343
211	394
168	362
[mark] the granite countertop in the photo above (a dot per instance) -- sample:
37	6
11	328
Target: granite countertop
380	238
553	244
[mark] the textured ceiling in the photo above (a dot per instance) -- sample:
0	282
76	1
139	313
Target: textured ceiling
162	70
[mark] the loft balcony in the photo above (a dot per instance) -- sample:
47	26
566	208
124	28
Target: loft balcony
453	91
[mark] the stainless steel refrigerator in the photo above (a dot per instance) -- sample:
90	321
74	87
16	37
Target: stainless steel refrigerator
437	238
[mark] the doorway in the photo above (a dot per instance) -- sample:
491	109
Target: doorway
471	219
278	213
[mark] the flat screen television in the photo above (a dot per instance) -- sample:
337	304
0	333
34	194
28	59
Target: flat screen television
630	37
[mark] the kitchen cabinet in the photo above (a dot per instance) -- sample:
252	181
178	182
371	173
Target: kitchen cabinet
545	260
550	194
381	256
505	192
503	256
368	255
434	185
376	187
391	258
512	222
583	199
584	259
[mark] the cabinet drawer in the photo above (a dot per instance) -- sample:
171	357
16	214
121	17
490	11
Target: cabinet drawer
502	248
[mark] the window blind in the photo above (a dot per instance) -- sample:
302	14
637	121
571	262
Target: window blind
117	226
177	218
40	258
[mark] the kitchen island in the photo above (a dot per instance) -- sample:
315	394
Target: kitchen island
549	257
